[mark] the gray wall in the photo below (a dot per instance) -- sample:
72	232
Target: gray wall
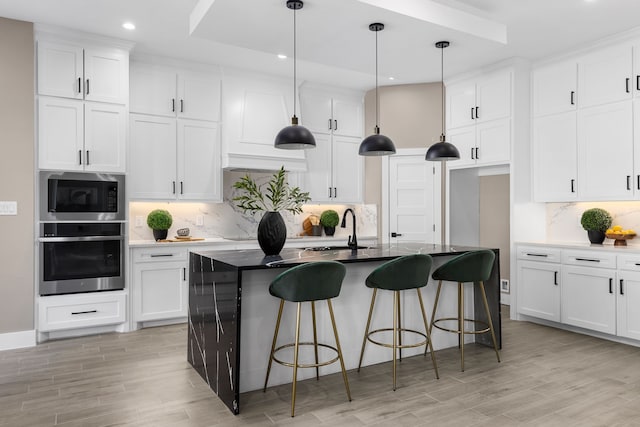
411	115
494	218
17	172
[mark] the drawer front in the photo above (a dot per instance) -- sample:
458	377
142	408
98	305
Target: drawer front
629	262
162	254
539	253
589	258
81	311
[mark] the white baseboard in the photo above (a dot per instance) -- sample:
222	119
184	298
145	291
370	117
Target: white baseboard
22	339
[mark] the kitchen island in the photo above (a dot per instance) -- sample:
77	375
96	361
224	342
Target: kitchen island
230	309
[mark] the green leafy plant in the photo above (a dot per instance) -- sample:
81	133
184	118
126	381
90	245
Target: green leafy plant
159	219
596	219
278	196
329	218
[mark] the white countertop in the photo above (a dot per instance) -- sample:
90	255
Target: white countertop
607	246
296	241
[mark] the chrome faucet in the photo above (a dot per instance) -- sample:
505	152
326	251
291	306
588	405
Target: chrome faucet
352	243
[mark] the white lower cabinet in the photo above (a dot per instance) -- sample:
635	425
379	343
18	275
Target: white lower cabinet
77	311
628	296
539	289
159	288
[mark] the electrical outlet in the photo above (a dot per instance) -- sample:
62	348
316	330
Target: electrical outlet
504	286
199	220
139	221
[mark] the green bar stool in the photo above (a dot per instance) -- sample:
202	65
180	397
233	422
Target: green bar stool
400	274
311	282
474	267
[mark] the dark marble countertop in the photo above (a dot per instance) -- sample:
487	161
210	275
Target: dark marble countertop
256	260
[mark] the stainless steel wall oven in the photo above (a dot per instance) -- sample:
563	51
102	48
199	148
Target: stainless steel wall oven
81	257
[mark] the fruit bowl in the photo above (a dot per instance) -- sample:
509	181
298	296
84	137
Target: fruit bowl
620	238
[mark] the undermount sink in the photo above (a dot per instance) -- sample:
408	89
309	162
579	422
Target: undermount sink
334	248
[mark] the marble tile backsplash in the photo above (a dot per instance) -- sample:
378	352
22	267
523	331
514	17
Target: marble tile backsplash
226	220
563	219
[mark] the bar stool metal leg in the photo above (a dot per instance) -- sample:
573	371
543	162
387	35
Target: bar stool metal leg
366	330
461	323
395	335
435	307
295	361
486	306
273	344
426	328
315	337
399	328
335	334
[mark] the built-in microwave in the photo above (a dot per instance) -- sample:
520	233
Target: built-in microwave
81	196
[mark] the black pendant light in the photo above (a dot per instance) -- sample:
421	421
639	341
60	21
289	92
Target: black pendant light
294	137
442	150
376	144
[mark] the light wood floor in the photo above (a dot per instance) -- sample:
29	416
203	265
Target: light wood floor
547	377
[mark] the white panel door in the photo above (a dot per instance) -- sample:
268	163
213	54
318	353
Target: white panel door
539	290
605	76
628	302
554	88
199	173
493	142
555	158
152	158
461	103
465	141
318	177
60	70
160	290
414	199
153	90
198	96
493	97
348	116
106	74
605	152
105	133
60	134
348	170
588	298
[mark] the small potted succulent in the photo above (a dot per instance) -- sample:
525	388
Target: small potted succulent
159	220
329	220
596	221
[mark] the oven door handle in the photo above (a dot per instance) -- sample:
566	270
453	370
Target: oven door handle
79	239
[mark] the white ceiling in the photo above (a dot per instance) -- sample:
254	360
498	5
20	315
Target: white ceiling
334	43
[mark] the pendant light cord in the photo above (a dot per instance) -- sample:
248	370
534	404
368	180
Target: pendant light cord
442	85
377	97
294	63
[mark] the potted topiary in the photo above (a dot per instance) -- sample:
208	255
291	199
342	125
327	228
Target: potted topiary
329	219
159	220
596	221
278	196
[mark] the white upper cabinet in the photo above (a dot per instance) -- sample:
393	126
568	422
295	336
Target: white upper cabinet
170	92
91	73
554	88
198	160
330	112
555	161
605	76
105	132
461	104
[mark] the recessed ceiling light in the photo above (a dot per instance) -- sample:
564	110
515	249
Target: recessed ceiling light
281	56
129	26
392	78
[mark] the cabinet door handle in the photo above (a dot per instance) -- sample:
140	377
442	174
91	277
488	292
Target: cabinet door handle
160	255
472	118
329	192
626	84
638	182
472	158
335	192
573	189
174	186
184	273
79	157
638	82
628	182
477	116
538	255
182	105
335	125
79	84
87	87
87	159
83	312
610	285
477	155
573	97
588	259
330	127
555	278
173	105
621	288
181	187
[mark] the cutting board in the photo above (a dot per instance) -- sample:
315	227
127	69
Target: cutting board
182	239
